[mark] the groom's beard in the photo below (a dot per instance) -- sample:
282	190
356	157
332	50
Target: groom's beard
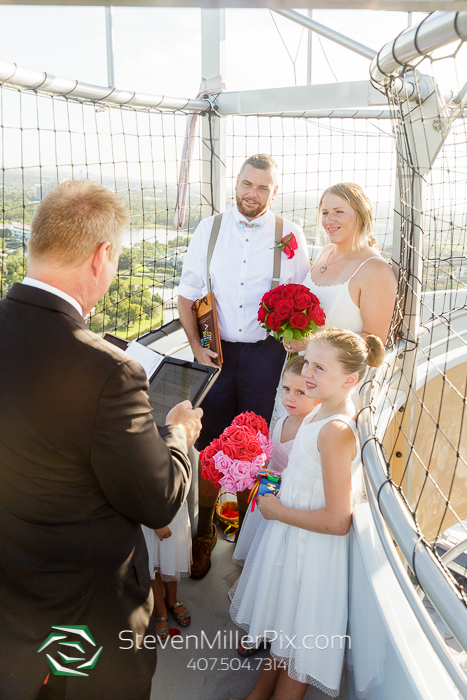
251	212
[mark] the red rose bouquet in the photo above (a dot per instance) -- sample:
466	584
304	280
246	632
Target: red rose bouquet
233	460
292	311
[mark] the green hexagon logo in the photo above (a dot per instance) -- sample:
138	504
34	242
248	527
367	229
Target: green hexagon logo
70	648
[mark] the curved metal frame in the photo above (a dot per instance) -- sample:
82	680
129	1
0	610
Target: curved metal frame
433	32
36	80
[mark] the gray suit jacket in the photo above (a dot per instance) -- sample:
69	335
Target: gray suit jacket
82	464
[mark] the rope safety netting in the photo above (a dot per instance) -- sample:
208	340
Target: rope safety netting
47	139
313	154
420	396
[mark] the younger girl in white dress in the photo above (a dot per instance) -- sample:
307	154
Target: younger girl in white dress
297	405
169	551
294	586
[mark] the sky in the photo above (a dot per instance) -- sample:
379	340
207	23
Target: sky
158	50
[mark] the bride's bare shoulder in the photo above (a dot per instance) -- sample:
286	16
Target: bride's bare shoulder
377	265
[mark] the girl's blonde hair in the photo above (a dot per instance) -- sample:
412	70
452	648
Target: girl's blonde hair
294	365
357	198
353	351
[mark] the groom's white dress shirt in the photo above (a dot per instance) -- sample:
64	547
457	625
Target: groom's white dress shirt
241	269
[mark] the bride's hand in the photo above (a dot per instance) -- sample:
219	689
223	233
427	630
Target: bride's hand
295	345
269	506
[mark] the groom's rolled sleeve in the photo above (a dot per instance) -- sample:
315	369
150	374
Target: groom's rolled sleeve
193	280
145	478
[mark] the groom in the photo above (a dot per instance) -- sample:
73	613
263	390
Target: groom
241	272
82	464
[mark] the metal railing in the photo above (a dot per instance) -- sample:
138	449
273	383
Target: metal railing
433	32
36	80
387	502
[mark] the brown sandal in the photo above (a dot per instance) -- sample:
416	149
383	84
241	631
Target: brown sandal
250	650
180	617
162	633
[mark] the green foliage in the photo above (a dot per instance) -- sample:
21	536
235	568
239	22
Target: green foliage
17	205
129	304
127	259
125	305
12	268
288	335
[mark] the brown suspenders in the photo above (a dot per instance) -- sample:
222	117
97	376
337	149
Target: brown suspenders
276	274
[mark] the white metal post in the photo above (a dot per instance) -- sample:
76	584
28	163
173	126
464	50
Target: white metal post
328	33
213	190
309	52
110	48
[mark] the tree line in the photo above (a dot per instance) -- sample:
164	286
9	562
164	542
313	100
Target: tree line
127	306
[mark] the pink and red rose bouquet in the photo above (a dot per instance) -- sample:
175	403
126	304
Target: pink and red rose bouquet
233	460
292	311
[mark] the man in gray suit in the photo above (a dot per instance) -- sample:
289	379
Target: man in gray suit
82	464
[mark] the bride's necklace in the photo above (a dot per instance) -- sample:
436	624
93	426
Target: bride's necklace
324	267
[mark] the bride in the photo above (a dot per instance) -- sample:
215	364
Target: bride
354	284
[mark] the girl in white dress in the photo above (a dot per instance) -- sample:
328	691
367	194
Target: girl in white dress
294	586
169	552
297	405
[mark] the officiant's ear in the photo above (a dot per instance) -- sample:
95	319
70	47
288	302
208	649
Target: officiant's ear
100	257
102	261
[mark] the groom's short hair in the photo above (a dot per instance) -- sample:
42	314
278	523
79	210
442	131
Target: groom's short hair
262	161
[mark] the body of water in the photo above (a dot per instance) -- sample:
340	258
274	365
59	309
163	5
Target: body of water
161	234
165	293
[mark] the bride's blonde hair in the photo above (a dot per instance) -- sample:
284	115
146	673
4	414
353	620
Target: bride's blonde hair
357	198
354	352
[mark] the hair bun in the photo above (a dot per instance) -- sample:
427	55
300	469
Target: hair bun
375	350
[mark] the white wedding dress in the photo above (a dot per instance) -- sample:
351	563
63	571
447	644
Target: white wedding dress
341	312
295	583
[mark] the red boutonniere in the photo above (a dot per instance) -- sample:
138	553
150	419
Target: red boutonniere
288	244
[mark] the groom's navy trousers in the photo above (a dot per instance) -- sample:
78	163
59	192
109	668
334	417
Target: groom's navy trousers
248	382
